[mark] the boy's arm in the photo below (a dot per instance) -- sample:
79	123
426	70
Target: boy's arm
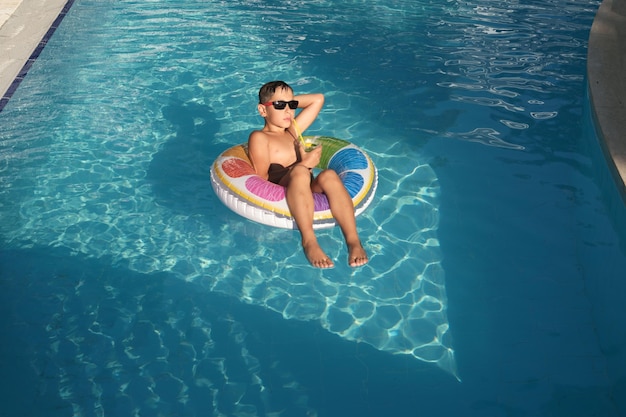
258	151
311	104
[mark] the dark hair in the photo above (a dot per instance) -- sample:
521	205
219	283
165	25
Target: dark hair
267	91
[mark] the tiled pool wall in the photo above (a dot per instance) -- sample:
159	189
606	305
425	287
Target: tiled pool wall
605	283
605	277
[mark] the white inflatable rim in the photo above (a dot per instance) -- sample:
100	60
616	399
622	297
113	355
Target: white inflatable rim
236	184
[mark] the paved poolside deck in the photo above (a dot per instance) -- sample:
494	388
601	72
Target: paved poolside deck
24	23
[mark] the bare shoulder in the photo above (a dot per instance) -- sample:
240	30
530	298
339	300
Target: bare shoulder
258	136
258	151
258	140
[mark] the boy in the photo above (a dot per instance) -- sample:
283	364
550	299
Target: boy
278	156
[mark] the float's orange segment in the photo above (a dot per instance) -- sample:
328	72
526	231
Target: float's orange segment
235	168
238	151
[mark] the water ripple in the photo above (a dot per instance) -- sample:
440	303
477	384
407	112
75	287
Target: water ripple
116	167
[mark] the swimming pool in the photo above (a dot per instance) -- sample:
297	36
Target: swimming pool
129	289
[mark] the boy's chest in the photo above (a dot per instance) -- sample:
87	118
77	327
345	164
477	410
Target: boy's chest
282	150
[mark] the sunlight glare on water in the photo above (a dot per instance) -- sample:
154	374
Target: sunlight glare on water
128	288
121	171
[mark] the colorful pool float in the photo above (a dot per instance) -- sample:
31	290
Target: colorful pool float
239	187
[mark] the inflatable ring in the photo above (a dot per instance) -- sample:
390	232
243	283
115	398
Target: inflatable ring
239	187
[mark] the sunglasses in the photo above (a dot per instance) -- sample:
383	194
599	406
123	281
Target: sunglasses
280	104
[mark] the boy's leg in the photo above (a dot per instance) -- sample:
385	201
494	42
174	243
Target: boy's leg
343	211
300	201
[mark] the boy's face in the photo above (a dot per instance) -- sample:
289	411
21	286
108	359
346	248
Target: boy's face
281	118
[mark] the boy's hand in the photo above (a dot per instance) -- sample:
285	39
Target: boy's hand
312	158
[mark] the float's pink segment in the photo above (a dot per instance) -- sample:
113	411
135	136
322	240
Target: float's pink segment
265	189
237	168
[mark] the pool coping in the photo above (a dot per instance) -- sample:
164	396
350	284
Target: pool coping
26	25
606	66
25	28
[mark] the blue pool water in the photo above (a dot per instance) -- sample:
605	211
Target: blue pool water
497	244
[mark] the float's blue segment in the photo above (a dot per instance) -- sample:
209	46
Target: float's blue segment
348	159
353	181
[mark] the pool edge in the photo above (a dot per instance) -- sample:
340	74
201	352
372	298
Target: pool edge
606	66
23	34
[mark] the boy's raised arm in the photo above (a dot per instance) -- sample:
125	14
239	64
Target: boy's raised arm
311	105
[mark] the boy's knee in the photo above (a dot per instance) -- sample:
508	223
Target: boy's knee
329	177
329	174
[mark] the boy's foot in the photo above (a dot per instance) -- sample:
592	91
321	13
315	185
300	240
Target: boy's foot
317	257
357	255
